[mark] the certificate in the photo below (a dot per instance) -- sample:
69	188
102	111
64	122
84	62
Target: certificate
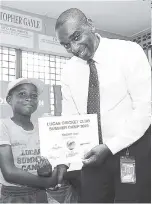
65	139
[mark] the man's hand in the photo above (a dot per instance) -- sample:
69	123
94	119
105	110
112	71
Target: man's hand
97	155
45	168
62	169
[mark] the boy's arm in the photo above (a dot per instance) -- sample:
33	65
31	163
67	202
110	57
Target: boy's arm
45	169
12	174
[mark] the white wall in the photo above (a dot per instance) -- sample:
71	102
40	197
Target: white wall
48	25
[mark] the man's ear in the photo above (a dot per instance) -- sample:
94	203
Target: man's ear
90	23
8	99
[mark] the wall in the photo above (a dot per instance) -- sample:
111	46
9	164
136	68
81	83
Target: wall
112	35
48	30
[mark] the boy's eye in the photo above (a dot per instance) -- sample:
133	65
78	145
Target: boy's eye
35	96
22	94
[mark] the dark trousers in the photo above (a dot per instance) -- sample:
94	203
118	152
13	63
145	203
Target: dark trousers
103	185
15	194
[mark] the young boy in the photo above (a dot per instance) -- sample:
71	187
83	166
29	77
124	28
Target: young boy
20	148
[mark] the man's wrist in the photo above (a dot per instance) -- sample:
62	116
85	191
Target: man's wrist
107	150
65	166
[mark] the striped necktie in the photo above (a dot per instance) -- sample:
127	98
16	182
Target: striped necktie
93	103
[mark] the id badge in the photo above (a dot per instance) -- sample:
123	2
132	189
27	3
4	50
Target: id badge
127	169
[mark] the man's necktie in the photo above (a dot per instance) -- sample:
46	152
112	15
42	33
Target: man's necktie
93	104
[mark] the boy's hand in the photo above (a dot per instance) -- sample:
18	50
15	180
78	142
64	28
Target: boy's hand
62	169
45	168
53	180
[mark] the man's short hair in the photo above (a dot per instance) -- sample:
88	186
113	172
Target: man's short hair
72	13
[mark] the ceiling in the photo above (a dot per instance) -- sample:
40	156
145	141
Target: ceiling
125	18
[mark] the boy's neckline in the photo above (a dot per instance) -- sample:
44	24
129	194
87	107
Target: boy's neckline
27	131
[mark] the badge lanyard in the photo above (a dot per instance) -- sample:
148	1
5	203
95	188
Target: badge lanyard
127	168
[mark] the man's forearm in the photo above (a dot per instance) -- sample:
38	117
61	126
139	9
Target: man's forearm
127	136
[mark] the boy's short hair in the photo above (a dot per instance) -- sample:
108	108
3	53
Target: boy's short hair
38	83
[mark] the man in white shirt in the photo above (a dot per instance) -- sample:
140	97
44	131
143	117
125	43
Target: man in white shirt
124	79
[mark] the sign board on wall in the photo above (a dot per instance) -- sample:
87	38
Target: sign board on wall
15	36
20	20
51	44
44	102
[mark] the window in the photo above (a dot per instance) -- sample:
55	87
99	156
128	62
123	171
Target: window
44	67
149	56
145	41
34	65
7	64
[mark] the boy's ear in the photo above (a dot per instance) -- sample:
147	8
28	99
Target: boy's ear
8	99
90	23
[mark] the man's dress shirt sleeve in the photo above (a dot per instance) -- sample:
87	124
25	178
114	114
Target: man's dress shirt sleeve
137	73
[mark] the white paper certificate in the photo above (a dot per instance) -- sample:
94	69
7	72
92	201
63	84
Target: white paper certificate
65	139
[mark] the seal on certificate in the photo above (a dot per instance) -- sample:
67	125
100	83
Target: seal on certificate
71	144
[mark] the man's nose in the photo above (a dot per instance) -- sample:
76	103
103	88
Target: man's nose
74	48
